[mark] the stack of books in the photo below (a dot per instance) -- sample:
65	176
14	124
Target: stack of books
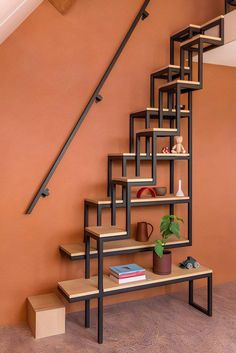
127	273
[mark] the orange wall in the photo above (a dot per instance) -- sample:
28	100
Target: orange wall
48	69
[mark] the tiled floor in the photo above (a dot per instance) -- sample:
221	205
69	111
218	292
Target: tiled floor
165	324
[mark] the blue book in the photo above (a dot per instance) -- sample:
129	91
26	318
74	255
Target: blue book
126	269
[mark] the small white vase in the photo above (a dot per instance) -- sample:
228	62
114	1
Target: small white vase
180	191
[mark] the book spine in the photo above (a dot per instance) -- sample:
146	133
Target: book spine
127	280
127	275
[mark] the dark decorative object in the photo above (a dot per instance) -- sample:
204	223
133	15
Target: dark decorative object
165	150
161	190
152	191
162	265
142	231
189	263
162	258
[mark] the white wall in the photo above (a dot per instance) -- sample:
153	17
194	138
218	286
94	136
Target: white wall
13	13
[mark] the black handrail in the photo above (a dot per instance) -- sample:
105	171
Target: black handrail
96	97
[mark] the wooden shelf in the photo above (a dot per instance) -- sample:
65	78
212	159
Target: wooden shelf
183	82
167	67
80	288
159	130
200	36
162	155
105	231
135	201
133	180
77	251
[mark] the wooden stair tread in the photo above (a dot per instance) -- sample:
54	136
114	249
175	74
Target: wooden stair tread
213	20
133	180
186	27
172	67
132	154
156	129
105	231
75	250
167	110
199	26
199	36
78	288
107	200
181	82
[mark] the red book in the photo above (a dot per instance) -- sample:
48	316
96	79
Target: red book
128	275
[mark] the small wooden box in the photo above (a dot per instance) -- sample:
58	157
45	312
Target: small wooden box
46	315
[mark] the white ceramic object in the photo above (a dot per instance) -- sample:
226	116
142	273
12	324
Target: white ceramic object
180	191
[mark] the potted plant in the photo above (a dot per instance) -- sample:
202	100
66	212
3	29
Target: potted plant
170	226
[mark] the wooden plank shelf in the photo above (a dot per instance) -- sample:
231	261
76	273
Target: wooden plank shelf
208	40
161	156
128	246
79	289
161	200
105	231
154	112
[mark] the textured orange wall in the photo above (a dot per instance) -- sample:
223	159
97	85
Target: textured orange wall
48	69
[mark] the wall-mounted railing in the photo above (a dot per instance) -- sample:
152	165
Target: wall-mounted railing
43	191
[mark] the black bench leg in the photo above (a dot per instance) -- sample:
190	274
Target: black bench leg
100	320
87	275
207	311
100	288
87	313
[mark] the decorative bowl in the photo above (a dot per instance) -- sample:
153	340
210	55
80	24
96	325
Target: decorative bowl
161	190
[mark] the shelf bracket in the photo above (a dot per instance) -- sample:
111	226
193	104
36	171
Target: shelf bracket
98	99
45	193
145	15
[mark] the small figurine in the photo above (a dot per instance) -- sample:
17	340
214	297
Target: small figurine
180	191
178	148
189	263
165	150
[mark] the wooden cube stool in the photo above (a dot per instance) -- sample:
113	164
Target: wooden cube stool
46	315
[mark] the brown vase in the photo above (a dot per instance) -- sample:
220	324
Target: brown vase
162	265
142	233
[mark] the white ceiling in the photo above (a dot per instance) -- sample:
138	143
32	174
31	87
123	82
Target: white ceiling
13	13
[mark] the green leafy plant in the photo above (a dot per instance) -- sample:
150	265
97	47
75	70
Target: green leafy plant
170	225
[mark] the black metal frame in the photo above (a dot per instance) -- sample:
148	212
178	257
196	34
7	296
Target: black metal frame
101	294
229	4
43	191
150	135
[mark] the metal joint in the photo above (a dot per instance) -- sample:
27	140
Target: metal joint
145	15
99	98
45	193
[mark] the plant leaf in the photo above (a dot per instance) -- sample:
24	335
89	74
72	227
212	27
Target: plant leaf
165	218
175	229
159	249
164	226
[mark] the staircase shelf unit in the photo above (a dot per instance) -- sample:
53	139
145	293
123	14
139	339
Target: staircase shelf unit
112	239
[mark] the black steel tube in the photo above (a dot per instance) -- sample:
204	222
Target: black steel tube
87	313
43	186
209	295
113	203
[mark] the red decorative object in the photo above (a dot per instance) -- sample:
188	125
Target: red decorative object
165	150
151	190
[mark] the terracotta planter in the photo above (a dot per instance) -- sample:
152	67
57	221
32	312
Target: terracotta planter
162	265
